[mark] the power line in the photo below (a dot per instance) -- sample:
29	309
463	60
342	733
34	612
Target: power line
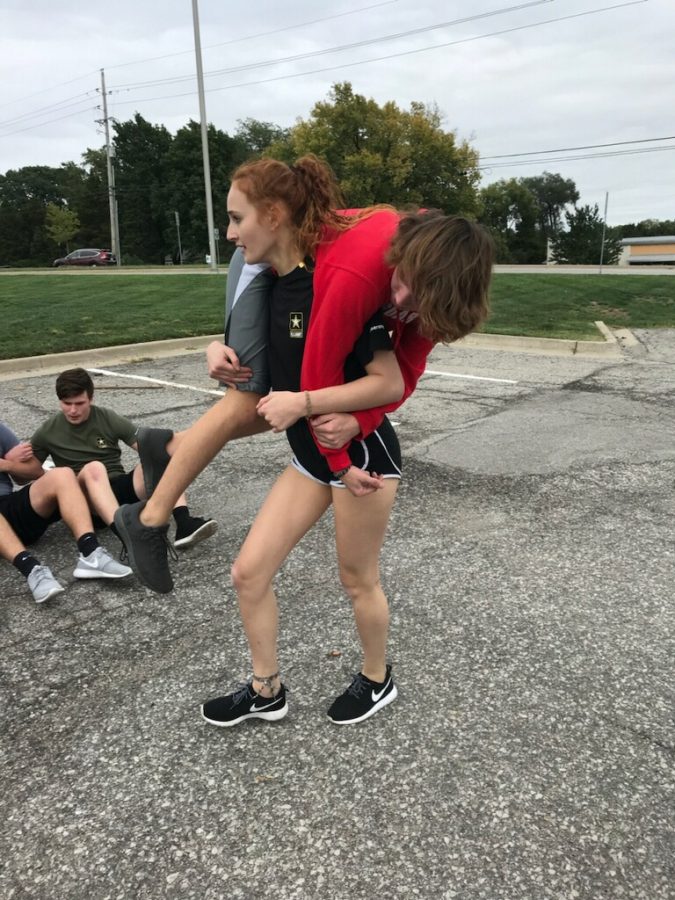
49	121
669	137
51	88
251	37
210	47
401	53
59	106
374	59
533	162
313	53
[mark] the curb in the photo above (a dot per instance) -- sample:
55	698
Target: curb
49	364
608	347
52	363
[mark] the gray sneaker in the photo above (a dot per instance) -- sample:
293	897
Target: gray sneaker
100	564
43	585
151	444
147	548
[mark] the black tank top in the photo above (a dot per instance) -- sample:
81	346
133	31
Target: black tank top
290	309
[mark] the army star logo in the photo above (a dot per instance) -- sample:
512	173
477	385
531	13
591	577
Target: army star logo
295	325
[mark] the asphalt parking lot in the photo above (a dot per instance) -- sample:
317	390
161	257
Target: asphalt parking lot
530	568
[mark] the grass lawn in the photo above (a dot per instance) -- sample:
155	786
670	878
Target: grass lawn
76	311
79	310
566	306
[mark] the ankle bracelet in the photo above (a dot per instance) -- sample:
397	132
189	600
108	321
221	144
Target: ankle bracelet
267	680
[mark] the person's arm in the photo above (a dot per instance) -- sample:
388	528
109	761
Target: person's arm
39	444
21	452
21	467
383	384
335	429
224	366
411	351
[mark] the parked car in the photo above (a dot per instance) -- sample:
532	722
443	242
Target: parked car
88	257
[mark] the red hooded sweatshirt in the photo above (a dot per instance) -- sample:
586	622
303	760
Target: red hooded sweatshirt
351	282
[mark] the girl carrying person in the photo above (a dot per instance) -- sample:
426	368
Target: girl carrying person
429	273
327	327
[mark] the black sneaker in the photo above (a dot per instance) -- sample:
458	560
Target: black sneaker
147	548
151	444
193	530
362	699
244	703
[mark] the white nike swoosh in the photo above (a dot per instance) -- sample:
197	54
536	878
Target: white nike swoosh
375	697
255	708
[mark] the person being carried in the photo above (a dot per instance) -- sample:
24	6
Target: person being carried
26	513
430	273
86	438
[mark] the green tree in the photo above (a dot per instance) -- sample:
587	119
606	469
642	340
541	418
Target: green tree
647	228
581	243
553	194
185	189
91	201
140	179
382	154
257	136
511	212
24	197
62	224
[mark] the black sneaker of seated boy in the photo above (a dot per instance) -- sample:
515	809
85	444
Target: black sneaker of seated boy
193	529
362	699
245	703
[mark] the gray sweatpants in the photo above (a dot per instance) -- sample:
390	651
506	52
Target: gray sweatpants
247	314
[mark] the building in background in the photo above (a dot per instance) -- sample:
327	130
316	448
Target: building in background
648	251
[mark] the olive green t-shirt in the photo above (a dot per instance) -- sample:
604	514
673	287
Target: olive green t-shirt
96	439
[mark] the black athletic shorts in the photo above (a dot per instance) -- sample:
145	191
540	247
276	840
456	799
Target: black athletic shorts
26	523
123	488
379	453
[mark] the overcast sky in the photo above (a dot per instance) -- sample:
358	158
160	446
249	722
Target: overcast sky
516	78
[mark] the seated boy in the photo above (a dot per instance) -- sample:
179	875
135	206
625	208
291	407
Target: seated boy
26	513
85	437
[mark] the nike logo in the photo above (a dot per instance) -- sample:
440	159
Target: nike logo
270	702
376	697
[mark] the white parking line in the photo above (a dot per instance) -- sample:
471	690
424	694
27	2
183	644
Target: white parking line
470	377
190	387
172	384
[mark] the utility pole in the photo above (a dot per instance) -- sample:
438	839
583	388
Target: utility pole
112	199
180	249
205	138
604	229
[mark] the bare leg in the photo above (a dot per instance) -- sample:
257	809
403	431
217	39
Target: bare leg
10	545
233	416
59	488
94	481
360	526
293	505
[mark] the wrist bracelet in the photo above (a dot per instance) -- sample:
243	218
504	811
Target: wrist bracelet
308	405
337	476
